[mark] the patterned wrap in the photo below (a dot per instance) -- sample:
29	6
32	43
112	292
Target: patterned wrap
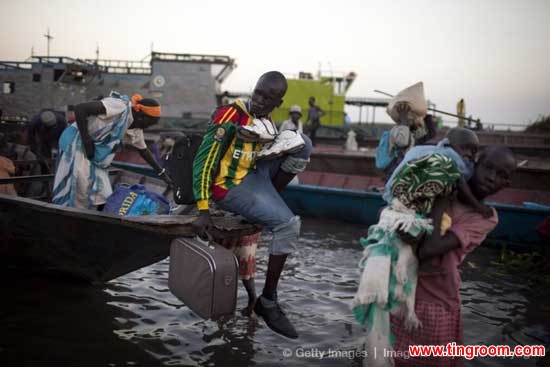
421	181
245	251
75	174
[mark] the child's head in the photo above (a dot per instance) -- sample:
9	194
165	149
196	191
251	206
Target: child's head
464	142
493	171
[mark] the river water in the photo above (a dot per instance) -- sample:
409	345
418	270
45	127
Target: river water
136	321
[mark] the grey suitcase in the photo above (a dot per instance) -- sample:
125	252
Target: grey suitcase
204	277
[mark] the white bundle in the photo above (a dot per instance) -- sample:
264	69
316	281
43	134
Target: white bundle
414	97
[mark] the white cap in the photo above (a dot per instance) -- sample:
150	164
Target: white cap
48	118
295	108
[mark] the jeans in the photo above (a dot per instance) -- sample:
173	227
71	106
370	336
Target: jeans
256	199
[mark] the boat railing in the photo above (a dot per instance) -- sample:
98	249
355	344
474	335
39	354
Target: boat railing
58	60
193	58
8	65
122	66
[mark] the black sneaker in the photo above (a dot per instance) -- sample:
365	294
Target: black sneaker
274	317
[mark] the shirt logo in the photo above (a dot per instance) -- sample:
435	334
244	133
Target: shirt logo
249	156
220	133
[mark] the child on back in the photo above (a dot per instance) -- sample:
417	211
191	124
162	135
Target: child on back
429	171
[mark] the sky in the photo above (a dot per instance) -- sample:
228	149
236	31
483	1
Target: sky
493	53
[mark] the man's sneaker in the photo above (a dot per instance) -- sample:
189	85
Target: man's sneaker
287	142
274	317
261	130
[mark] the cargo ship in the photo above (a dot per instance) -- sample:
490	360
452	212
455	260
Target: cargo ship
187	85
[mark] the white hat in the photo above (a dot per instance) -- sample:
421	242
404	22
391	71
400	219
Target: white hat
295	108
48	118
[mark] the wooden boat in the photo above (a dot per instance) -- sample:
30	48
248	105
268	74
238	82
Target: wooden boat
533	175
529	145
516	228
37	236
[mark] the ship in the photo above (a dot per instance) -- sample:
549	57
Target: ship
187	85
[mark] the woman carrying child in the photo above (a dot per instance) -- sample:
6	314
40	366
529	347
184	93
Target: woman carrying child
438	305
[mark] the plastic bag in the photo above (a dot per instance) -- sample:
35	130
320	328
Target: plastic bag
136	200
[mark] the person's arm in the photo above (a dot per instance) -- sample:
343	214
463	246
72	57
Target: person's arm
435	244
320	111
467	197
219	134
148	157
82	111
403	110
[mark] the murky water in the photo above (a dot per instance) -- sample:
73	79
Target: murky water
135	320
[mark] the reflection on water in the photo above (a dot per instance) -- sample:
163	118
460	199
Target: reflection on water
135	320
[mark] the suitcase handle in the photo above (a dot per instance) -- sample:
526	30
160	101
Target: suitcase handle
206	242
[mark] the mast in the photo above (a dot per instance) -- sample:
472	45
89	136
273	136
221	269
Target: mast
49	37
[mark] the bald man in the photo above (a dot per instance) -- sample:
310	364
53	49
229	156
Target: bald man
226	170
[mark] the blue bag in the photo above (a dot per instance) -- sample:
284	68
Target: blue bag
136	200
383	155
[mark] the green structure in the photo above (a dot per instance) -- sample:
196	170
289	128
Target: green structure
329	93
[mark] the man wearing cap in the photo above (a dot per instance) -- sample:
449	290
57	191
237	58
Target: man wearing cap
293	123
44	131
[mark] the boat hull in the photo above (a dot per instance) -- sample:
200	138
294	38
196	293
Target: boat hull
92	247
89	245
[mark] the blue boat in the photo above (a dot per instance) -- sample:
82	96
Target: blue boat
516	229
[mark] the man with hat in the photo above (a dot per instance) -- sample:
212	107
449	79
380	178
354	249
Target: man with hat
293	123
43	132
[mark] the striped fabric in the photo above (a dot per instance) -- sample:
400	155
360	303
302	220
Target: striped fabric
80	182
223	160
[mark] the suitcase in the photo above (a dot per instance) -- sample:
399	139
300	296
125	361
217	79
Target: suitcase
204	276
